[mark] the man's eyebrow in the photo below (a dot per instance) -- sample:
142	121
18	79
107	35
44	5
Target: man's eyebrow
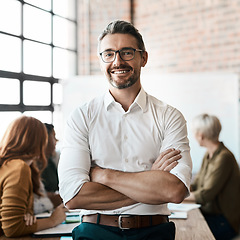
108	49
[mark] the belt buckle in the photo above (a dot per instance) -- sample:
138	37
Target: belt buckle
120	221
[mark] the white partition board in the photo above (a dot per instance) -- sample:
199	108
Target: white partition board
196	93
80	89
192	94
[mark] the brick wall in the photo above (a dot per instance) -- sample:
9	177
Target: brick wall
190	35
180	35
93	16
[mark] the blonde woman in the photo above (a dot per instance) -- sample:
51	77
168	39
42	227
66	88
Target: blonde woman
217	185
22	147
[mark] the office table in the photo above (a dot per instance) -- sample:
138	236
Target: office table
192	228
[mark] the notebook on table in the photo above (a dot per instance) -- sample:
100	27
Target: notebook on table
63	229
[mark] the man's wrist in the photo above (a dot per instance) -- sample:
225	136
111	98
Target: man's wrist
108	176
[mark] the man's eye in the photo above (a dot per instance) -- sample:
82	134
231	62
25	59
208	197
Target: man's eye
127	53
108	54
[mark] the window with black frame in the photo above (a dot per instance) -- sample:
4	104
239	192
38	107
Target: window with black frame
38	46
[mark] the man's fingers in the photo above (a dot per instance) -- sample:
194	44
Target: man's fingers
164	153
168	155
165	160
171	166
172	154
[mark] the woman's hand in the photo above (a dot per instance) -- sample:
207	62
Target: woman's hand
58	215
55	198
29	219
167	160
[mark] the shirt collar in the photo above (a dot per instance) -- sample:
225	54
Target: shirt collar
217	151
108	100
140	100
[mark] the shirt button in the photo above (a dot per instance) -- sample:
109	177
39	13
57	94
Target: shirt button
126	160
125	137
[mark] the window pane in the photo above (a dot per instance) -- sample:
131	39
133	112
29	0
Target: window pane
6	119
57	93
36	24
9	91
36	93
64	63
36	58
43	116
64	33
58	125
65	8
10	53
10	16
45	4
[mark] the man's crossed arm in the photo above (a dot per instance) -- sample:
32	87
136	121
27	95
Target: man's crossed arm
111	189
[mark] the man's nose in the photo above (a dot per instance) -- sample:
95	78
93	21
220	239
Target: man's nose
117	58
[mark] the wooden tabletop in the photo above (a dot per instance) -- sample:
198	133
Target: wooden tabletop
192	228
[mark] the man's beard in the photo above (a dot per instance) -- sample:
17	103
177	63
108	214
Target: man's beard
130	81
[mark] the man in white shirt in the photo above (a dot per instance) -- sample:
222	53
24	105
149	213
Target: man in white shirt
125	154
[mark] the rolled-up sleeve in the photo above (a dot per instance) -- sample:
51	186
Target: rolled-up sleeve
75	161
176	137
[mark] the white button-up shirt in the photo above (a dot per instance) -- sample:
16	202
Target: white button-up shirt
101	133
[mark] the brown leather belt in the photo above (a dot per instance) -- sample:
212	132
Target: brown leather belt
126	221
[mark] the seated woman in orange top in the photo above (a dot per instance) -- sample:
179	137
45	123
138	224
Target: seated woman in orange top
22	147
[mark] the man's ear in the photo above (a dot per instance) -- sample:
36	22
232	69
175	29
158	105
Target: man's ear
144	58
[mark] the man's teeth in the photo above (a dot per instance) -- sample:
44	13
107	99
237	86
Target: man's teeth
117	72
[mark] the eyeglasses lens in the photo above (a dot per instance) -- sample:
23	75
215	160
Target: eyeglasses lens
125	54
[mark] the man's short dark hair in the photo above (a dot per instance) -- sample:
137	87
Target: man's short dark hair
123	27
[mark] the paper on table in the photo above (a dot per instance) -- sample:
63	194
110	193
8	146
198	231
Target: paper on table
71	217
48	214
179	211
178	215
64	229
184	207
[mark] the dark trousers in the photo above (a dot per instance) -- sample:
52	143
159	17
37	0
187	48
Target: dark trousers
220	227
90	231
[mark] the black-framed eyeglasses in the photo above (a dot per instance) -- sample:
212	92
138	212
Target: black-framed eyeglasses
126	54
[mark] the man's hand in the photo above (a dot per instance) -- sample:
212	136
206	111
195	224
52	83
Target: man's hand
156	186
167	160
149	187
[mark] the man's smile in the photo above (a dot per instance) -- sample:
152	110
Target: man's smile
120	71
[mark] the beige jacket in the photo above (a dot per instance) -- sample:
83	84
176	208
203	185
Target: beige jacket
16	198
217	186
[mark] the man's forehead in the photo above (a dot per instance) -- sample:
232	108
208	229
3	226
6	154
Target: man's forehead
117	41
